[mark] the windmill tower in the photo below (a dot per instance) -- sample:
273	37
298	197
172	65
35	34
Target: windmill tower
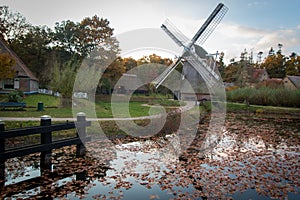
199	68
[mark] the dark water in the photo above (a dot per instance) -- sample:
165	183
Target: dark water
256	158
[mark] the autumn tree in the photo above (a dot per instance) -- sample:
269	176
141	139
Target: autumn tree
129	63
111	75
275	65
81	38
292	65
6	63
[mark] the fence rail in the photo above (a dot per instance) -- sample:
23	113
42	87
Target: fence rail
46	144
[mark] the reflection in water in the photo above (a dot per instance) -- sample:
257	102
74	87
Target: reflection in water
253	159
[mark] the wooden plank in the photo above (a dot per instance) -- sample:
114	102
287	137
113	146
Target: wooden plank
36	129
41	147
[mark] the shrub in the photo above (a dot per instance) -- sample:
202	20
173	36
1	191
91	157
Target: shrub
266	96
15	96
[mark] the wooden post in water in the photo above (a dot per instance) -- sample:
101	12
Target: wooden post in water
46	138
81	133
2	149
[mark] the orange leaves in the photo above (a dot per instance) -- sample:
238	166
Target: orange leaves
6	64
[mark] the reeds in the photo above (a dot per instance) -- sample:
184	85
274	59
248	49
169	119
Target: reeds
265	96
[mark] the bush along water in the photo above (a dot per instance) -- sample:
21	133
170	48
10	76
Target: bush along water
265	96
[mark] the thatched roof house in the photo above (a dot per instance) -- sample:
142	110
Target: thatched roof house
292	82
130	83
24	79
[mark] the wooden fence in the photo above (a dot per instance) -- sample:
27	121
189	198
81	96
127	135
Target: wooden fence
46	143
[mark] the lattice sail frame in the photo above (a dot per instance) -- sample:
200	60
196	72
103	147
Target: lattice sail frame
204	66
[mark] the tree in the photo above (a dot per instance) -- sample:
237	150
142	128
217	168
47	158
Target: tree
12	24
64	36
112	74
34	50
95	33
63	78
293	65
232	72
129	63
82	38
220	64
275	65
153	58
6	63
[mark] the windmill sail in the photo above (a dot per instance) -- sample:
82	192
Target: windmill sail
158	81
175	33
205	70
210	24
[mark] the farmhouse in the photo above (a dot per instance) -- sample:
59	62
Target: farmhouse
24	79
130	83
292	82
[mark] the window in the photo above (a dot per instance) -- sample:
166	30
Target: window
9	84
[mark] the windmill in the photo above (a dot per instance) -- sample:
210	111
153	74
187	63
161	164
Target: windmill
194	57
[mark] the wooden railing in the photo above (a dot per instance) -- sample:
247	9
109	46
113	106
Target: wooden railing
46	143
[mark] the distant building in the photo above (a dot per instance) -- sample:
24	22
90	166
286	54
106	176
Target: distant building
130	83
24	79
292	82
251	76
257	75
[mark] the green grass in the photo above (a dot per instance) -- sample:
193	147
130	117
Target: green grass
48	101
234	107
52	107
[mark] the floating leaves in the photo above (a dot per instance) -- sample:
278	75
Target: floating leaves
255	154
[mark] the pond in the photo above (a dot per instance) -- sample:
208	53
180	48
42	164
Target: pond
257	157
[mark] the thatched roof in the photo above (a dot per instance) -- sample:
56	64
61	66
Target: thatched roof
19	67
295	80
256	74
131	82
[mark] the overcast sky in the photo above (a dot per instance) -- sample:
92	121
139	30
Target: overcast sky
255	25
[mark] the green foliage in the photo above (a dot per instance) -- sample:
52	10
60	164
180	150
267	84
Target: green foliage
12	24
232	72
63	79
33	48
265	96
15	96
206	105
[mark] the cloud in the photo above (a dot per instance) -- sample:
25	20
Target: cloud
232	39
257	3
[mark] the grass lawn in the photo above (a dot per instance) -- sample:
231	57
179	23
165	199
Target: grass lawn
53	108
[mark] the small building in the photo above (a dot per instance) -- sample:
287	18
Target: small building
130	83
292	82
257	75
24	79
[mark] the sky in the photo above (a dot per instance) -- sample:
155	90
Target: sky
254	25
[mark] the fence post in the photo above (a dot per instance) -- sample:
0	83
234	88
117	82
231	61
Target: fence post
46	138
81	133
2	149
